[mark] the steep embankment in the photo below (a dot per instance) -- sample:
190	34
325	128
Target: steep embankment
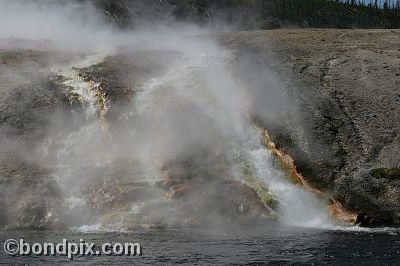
329	98
342	121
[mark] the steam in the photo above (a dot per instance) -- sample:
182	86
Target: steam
187	104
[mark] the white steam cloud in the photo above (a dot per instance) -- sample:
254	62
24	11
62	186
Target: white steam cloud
187	103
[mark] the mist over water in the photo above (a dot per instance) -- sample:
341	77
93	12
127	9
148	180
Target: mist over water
203	79
189	105
200	80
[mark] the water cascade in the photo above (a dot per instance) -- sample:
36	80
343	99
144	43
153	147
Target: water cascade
195	103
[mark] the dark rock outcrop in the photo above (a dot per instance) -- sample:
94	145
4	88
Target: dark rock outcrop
208	189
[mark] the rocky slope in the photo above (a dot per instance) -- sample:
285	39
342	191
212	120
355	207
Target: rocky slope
29	196
329	98
338	102
40	111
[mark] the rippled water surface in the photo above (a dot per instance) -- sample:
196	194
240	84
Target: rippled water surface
256	247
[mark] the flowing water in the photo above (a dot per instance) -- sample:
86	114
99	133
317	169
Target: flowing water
199	78
273	246
107	166
304	235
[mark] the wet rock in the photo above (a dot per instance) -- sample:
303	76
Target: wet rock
210	195
363	220
117	76
30	197
116	186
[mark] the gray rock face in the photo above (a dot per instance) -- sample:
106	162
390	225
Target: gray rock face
335	108
29	196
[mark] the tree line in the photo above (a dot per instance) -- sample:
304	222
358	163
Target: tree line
335	13
256	14
312	13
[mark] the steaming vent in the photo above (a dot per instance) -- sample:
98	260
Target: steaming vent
158	132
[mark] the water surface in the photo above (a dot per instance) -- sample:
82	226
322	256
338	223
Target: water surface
274	246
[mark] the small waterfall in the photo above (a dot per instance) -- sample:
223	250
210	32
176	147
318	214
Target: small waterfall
200	80
221	97
297	206
87	93
82	150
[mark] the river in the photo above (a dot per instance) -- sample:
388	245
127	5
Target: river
275	246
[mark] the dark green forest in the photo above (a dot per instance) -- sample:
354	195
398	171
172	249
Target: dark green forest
316	13
263	14
342	14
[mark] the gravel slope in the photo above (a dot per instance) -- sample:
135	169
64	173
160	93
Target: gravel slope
338	95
